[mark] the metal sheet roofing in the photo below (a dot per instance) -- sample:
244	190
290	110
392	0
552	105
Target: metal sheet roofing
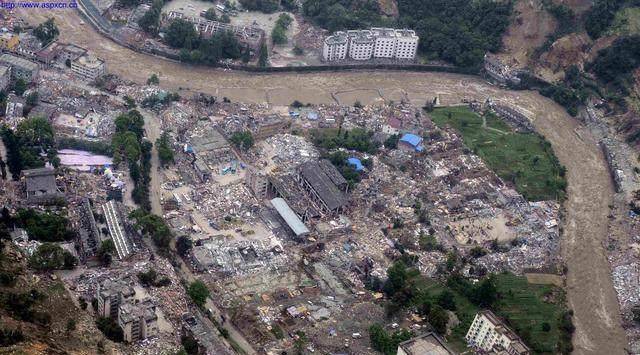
289	216
411	139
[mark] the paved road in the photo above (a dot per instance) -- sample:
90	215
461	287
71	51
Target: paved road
589	286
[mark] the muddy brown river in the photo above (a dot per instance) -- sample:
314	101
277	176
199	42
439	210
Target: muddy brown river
589	287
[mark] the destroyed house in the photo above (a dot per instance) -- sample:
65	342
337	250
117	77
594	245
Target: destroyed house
41	185
116	231
324	183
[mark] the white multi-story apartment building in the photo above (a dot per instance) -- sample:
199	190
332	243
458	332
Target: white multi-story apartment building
335	47
489	334
361	43
385	42
375	43
88	67
406	44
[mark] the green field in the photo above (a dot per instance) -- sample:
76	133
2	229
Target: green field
523	159
528	307
525	306
627	22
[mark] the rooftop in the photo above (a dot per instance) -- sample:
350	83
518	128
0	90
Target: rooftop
405	33
41	179
425	344
323	180
336	38
296	225
19	62
383	32
90	61
411	139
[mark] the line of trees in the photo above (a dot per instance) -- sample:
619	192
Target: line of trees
128	145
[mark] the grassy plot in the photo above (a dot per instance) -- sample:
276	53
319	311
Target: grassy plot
524	159
533	311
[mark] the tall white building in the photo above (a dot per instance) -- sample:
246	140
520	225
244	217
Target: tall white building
488	333
385	42
406	44
335	47
361	43
375	43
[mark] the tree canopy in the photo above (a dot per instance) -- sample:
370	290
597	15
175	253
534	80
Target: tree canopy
49	256
46	31
198	292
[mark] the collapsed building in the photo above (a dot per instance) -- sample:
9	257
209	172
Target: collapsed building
251	36
117	231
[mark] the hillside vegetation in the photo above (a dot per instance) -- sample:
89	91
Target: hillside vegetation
458	31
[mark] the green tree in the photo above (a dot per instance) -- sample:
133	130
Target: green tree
446	300
150	21
181	34
438	318
49	256
46	31
183	245
165	152
198	292
242	140
110	328
32	99
190	345
105	252
211	15
263	56
279	35
20	86
153	79
71	325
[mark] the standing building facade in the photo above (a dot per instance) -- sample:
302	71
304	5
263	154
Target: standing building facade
138	320
406	44
489	334
361	44
20	67
111	294
88	67
335	47
385	42
377	42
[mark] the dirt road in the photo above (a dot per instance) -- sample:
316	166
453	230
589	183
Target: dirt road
589	286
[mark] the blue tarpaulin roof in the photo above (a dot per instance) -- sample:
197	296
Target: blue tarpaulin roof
411	139
357	164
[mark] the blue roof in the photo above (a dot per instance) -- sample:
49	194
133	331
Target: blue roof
411	139
312	115
357	164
